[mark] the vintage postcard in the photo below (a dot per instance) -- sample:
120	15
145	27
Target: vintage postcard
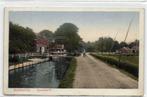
83	0
74	51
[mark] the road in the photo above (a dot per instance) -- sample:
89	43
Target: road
93	73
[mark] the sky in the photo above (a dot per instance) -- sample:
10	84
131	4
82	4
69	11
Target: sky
92	25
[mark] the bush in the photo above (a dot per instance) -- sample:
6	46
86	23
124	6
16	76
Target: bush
132	69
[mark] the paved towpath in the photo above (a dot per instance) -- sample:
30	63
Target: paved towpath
93	73
28	63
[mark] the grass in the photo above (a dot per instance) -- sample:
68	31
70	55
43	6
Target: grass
129	66
133	60
68	79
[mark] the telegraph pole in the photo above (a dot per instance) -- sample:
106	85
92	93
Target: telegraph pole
125	39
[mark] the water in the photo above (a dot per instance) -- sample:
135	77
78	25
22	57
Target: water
42	75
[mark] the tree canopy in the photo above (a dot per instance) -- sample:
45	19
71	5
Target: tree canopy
107	44
45	34
21	39
104	44
67	33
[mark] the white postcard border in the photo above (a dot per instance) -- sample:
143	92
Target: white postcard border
74	91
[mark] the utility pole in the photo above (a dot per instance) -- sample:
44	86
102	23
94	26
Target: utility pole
120	55
102	45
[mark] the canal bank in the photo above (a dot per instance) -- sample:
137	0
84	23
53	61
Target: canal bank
67	81
30	62
46	74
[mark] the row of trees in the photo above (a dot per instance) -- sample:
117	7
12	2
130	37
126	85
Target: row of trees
22	39
107	44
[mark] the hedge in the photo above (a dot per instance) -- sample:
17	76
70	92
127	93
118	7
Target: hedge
132	69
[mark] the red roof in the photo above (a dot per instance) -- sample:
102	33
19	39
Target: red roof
41	42
125	49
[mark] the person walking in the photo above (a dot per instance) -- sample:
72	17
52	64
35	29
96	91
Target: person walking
84	53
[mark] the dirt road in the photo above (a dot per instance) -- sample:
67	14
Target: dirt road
93	73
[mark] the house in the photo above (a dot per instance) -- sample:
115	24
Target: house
124	50
50	47
127	50
42	45
135	49
57	49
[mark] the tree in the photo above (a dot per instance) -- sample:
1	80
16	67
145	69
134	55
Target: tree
134	43
104	44
123	44
45	34
67	33
115	46
90	46
107	44
21	39
99	44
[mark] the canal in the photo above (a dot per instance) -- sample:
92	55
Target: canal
43	75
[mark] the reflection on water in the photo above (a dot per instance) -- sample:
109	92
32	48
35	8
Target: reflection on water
42	75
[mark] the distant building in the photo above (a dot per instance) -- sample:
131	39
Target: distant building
52	48
42	45
57	49
135	49
127	50
124	50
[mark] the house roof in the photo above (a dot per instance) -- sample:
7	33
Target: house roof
135	48
125	49
42	42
